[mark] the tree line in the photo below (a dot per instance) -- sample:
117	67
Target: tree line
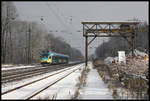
22	41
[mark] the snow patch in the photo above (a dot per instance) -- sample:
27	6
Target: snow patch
95	87
137	52
15	67
109	59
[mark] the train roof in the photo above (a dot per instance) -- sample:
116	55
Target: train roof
55	54
61	55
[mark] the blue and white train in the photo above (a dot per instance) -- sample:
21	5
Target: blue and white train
48	57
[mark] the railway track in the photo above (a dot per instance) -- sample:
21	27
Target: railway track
19	74
25	75
57	75
12	71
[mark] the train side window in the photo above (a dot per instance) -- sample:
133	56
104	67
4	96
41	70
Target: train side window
55	58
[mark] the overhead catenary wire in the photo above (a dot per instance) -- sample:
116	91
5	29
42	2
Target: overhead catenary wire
62	21
57	16
71	19
41	19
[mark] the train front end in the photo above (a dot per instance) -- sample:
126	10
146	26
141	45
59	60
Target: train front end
45	57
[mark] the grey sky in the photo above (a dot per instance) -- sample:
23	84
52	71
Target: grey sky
58	15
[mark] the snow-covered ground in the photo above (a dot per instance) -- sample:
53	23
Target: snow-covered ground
64	89
136	52
95	87
15	67
28	90
71	62
11	66
15	84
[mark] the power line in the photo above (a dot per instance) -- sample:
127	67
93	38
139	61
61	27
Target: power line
60	20
64	16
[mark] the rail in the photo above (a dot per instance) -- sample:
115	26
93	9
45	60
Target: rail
8	91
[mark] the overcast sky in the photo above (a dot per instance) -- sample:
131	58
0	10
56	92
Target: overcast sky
64	18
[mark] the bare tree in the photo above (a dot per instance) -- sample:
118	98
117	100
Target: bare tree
22	41
8	15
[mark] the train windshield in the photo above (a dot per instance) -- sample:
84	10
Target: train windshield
44	56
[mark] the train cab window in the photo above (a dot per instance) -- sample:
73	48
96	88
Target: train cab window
44	56
50	57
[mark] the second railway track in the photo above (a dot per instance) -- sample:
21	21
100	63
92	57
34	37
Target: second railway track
29	96
30	72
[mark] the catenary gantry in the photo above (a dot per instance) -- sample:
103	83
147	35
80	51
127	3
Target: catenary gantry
127	30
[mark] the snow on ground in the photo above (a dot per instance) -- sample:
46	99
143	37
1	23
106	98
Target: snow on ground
11	66
109	59
15	84
137	52
95	87
71	62
28	90
7	65
64	89
14	67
